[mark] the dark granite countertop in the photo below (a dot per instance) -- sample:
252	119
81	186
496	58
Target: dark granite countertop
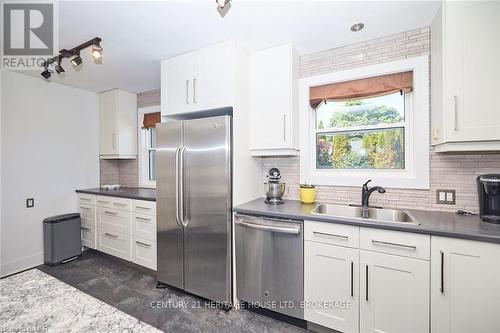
139	193
431	222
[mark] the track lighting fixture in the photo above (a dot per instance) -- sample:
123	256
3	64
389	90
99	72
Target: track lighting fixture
223	6
97	53
77	60
46	73
74	54
59	69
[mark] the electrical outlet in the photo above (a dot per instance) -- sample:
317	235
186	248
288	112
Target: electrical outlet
445	197
30	202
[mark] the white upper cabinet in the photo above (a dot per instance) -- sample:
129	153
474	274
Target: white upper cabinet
118	124
274	75
200	80
465	46
465	286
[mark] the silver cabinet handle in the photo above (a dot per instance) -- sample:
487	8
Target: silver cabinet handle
441	288
142	218
366	277
330	235
86	199
376	242
85	228
111	235
194	91
142	207
86	208
284	127
177	217
142	244
119	204
110	213
284	230
181	187
103	202
352	278
187	91
456	112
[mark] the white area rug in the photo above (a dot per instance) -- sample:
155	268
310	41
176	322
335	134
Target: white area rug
33	301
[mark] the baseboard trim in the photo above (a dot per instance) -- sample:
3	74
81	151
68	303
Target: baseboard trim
21	264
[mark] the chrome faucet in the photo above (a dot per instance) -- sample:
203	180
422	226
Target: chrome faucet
366	193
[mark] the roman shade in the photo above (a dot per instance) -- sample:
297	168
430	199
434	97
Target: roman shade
151	119
367	87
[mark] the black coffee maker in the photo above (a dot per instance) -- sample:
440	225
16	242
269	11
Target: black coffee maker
488	187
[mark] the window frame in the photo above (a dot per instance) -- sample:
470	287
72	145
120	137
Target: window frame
144	147
416	172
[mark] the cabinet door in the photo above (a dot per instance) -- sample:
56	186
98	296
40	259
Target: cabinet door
213	84
394	293
271	102
472	76
465	286
109	123
331	289
178	80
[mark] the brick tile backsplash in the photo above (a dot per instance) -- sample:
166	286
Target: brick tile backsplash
457	172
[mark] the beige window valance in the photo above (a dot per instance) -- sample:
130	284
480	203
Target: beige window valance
372	86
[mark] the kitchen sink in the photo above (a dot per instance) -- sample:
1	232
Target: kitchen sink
373	214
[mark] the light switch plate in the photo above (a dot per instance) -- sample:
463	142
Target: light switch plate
445	197
30	202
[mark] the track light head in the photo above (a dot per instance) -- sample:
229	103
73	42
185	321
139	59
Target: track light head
97	53
46	74
77	60
223	6
59	69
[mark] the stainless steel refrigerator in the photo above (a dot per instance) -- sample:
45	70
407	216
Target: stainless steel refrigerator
194	205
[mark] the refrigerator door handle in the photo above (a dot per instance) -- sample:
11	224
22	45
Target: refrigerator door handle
181	186
177	217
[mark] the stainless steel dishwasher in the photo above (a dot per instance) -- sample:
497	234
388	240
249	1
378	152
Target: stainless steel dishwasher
269	263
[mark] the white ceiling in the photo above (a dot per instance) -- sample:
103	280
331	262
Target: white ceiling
138	35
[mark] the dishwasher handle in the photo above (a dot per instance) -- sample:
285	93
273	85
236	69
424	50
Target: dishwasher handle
294	229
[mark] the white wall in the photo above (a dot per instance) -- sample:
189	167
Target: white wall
49	148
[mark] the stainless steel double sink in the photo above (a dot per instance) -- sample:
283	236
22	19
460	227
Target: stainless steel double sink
369	214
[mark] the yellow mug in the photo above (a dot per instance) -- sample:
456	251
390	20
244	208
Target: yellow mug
307	195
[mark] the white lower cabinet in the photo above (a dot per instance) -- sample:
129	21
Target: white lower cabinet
114	243
144	252
394	293
331	283
377	281
124	228
465	286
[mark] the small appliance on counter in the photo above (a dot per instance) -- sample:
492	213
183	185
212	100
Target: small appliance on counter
275	188
110	187
488	187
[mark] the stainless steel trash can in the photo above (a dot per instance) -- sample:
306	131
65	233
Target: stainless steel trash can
61	238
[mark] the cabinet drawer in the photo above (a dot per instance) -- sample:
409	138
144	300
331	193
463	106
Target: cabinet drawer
144	226
144	207
114	243
144	252
396	242
86	199
331	233
87	213
110	202
88	236
113	219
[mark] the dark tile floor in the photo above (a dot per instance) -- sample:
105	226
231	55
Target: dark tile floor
134	292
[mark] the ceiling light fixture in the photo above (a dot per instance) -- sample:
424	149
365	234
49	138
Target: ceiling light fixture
97	53
59	69
46	73
223	6
357	27
73	53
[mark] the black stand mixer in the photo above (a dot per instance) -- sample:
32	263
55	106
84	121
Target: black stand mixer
275	188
